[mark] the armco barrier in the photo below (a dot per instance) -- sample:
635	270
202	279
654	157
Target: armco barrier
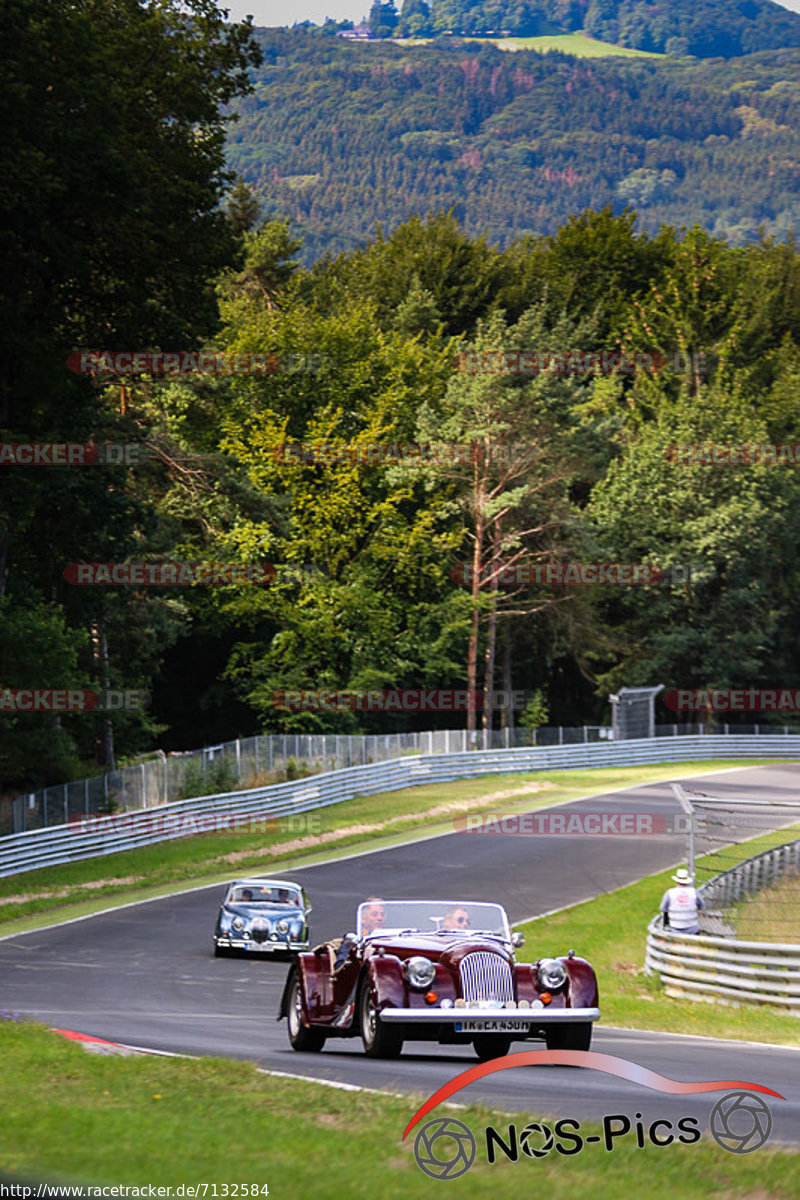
65	843
700	967
704	967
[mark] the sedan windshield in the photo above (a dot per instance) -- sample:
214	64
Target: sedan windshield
254	894
431	916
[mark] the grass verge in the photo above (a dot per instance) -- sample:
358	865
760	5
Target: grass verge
34	898
771	915
610	931
78	1118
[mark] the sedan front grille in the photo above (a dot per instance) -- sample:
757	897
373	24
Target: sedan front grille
486	976
259	933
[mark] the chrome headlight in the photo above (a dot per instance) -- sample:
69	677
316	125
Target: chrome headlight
238	924
552	973
283	926
420	972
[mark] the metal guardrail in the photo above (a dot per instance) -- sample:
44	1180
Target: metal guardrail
163	778
704	966
106	835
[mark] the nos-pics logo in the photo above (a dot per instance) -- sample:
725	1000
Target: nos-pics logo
446	1148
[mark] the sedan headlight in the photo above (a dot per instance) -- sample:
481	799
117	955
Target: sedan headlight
238	924
552	973
420	972
283	926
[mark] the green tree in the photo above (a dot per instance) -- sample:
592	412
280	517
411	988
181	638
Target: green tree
363	606
113	232
513	498
269	263
383	19
243	208
415	19
723	617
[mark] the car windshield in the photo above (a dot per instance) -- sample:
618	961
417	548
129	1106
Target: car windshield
431	916
248	893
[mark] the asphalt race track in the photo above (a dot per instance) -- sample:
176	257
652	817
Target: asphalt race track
145	975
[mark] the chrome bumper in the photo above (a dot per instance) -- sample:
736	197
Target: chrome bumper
453	1016
259	947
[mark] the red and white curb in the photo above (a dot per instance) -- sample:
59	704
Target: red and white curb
96	1045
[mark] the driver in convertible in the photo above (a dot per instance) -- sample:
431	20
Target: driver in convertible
457	918
373	917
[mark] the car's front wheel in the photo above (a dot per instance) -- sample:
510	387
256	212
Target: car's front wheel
300	1036
488	1046
572	1035
380	1040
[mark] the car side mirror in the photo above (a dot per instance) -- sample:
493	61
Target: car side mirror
517	939
308	909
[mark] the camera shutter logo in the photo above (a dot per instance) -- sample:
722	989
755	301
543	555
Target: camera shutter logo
527	1140
444	1148
741	1122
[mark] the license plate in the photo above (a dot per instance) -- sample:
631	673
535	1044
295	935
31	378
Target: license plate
495	1025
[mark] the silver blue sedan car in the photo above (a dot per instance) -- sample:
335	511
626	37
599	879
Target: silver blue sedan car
262	916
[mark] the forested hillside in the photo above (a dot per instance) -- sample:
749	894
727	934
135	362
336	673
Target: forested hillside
368	349
706	28
339	137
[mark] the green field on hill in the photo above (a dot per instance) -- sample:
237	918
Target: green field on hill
567	43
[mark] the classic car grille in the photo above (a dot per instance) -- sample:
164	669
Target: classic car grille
259	933
486	977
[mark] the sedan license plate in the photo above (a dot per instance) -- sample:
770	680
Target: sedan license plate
494	1025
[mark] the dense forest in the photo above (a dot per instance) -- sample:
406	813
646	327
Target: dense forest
704	28
139	242
340	136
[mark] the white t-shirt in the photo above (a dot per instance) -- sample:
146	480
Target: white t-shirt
682	904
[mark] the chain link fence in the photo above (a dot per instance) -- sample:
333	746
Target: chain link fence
745	854
272	758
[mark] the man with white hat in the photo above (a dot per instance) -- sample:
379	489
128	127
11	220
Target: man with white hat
680	904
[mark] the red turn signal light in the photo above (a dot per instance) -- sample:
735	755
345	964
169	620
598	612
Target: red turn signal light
545	997
431	997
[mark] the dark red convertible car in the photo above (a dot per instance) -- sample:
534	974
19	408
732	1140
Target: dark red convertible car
436	971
